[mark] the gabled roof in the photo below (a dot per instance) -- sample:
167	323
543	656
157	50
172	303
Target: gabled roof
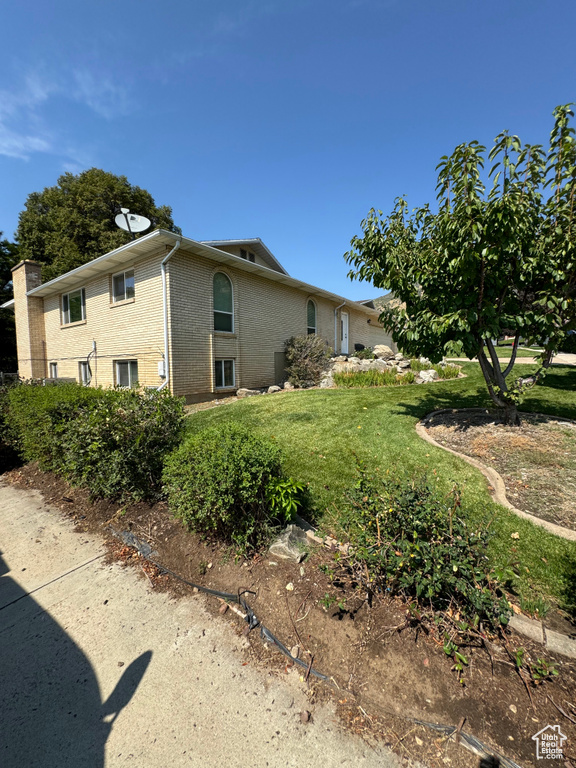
150	243
256	245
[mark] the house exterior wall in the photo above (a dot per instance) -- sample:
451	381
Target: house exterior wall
130	330
266	314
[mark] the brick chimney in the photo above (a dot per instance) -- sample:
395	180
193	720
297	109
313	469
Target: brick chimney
29	314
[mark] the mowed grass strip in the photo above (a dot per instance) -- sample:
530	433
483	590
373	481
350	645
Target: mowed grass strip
323	432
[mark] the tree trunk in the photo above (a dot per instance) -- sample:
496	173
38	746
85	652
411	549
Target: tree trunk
510	415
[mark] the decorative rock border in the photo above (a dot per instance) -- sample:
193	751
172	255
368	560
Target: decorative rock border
494	478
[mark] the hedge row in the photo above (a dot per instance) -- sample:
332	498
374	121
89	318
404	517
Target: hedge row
111	441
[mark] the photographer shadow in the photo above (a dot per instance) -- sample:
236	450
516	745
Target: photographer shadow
52	712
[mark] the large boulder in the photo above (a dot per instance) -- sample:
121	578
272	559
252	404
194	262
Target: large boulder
247	392
430	375
383	352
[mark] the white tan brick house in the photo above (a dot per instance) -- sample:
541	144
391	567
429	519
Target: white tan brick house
203	318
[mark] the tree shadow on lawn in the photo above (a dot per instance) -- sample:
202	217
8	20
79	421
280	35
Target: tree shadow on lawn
438	400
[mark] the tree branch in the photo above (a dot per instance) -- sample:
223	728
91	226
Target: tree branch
513	356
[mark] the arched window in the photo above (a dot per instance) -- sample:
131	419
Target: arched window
223	303
311	317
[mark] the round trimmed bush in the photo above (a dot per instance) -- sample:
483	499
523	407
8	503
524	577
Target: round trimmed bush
218	482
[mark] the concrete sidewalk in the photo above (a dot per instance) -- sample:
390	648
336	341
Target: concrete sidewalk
96	669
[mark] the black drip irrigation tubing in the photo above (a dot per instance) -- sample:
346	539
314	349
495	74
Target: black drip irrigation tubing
471	743
146	551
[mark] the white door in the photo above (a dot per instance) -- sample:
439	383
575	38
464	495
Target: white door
344	333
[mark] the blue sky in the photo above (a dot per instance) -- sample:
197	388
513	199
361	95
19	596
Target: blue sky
281	120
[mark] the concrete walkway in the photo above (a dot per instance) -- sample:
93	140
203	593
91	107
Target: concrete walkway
96	669
560	359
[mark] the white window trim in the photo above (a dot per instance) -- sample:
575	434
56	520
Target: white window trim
308	327
214	310
53	370
225	360
82	304
131	383
123	273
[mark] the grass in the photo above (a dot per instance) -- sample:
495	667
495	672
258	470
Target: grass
322	432
505	352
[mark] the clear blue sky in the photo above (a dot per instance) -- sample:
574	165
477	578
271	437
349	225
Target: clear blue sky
280	120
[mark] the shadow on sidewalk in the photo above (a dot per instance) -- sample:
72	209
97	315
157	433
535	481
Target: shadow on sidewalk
52	713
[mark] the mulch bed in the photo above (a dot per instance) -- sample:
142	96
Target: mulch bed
536	460
383	669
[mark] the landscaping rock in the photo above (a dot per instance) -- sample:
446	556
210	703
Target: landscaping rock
339	359
404	364
327	382
430	375
247	392
274	388
383	352
290	545
288	386
399	356
424	361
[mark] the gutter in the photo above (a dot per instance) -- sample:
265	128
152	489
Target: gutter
165	308
336	326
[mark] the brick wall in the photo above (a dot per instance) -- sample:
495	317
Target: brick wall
29	314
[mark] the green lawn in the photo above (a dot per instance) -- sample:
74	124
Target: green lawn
321	432
506	352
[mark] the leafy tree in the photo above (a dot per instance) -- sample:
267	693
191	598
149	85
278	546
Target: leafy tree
487	261
8	259
71	223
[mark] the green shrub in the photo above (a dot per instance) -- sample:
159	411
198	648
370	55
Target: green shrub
9	457
37	416
417	366
363	354
227	482
410	540
350	379
447	371
306	358
117	444
112	442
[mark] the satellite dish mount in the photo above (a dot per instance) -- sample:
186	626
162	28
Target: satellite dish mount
131	222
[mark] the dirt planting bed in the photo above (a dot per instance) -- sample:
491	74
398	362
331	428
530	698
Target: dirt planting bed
537	460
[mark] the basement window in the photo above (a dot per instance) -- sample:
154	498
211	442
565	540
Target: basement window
126	373
224	374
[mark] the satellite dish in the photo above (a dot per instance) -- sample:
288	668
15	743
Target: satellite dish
131	222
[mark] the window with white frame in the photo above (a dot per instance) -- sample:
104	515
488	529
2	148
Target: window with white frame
311	311
73	307
223	303
224	373
123	286
126	373
84	374
53	370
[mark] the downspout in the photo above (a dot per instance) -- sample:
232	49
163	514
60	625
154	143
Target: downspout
165	307
336	326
